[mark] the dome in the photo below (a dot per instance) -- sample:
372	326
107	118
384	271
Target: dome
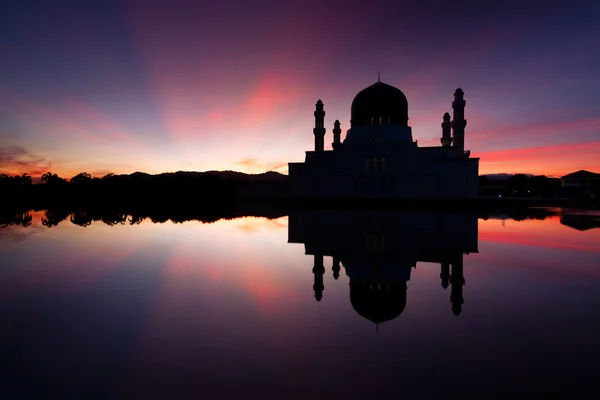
378	303
380	103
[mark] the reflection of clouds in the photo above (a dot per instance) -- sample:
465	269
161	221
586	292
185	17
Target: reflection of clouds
547	234
17	234
254	224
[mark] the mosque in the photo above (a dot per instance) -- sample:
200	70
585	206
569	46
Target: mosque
379	249
378	157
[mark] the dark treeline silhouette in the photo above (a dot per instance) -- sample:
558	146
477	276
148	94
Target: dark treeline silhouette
521	185
222	189
168	189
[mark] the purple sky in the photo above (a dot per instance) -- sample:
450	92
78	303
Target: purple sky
107	86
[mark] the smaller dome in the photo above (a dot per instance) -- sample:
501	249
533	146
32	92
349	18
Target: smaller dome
379	103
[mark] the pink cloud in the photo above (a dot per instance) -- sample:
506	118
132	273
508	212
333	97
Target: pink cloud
545	131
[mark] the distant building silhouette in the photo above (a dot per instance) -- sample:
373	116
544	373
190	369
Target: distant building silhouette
378	157
581	178
581	222
379	249
581	182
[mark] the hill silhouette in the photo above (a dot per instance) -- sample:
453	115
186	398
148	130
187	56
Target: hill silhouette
182	188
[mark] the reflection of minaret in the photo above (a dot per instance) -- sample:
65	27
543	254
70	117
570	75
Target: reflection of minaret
379	275
336	268
445	275
318	271
457	280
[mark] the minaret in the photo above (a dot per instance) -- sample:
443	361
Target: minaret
319	130
457	280
336	134
318	271
458	119
336	268
446	139
445	274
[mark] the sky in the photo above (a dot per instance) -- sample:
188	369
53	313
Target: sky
162	86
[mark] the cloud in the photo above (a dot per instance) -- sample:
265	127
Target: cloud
252	164
554	160
16	160
512	135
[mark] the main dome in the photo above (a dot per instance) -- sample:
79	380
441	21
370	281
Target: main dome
380	103
378	304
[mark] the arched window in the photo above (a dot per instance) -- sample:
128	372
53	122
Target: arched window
367	165
380	120
372	121
374	164
388	120
383	164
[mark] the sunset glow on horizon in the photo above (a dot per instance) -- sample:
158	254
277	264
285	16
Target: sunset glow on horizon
125	86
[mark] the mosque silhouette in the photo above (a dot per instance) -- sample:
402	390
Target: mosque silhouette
379	159
378	250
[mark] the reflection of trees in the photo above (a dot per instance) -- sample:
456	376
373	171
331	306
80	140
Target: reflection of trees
81	218
15	218
136	220
53	218
135	216
114	219
85	217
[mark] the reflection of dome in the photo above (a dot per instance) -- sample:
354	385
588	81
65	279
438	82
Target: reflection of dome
378	302
379	103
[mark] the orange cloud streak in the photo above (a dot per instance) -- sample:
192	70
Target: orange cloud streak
547	160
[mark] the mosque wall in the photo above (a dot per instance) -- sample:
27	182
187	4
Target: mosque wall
389	174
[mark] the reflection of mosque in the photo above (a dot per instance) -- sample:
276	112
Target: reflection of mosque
379	249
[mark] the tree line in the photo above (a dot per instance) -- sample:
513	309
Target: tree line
168	189
521	185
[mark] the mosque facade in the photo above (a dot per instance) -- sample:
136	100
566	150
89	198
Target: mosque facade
378	157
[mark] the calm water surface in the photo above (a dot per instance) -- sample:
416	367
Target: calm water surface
426	305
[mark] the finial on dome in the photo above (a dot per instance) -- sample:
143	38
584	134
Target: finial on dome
378	76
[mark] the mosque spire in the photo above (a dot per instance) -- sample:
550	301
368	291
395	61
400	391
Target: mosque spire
458	119
319	129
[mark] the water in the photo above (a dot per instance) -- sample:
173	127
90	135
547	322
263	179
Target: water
222	309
